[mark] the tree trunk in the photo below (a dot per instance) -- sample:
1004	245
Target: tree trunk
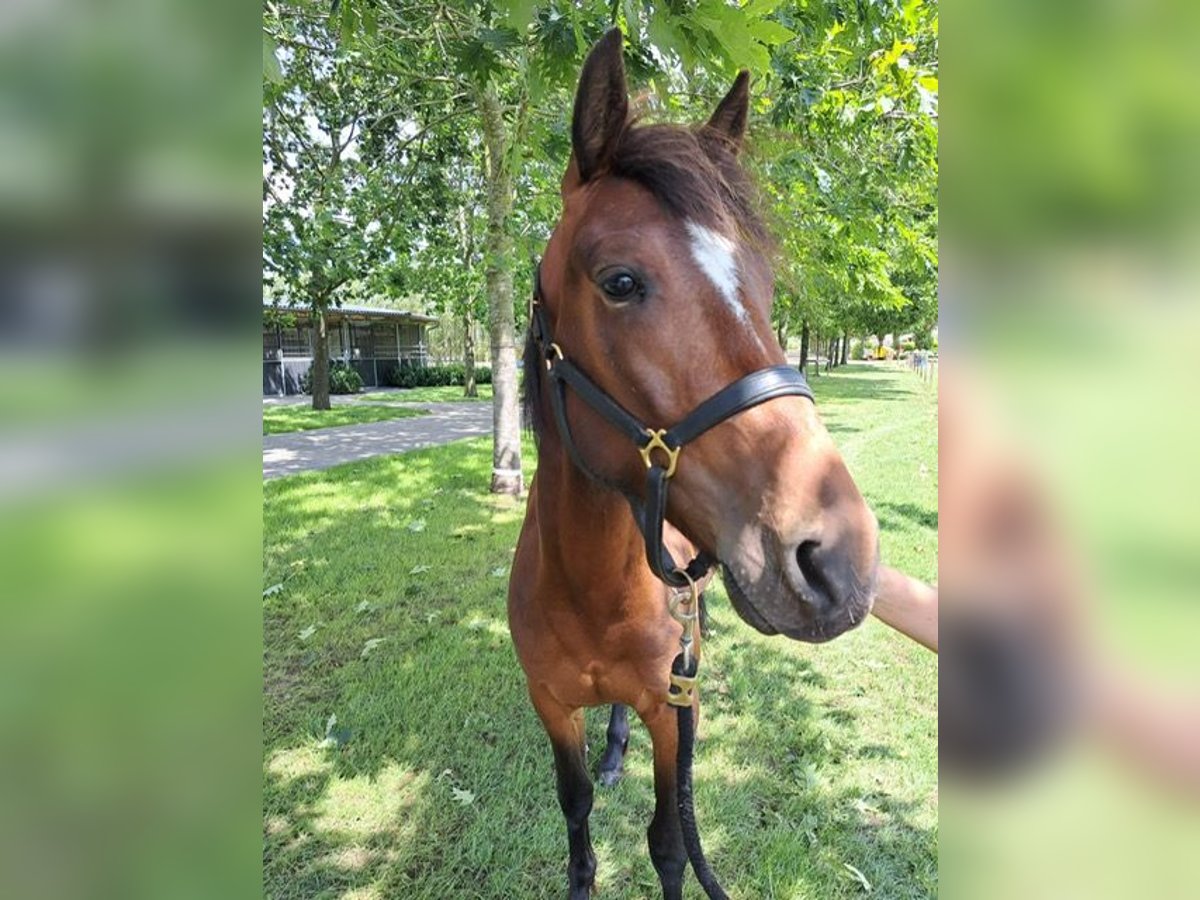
804	345
845	346
467	238
469	388
816	345
506	418
781	336
320	363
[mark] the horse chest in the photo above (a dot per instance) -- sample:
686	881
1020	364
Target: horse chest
585	663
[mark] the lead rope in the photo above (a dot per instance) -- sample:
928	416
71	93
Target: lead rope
682	695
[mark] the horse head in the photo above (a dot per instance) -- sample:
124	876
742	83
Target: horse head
659	285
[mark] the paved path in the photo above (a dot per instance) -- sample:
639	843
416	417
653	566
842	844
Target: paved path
304	451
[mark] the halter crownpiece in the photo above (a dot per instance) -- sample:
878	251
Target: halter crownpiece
659	447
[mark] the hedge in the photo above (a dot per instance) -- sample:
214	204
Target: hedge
410	375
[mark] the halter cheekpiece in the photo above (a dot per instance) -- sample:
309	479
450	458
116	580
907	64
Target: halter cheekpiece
659	447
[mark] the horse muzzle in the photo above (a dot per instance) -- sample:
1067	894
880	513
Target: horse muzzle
811	591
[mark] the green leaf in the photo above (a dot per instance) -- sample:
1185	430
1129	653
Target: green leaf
664	35
517	14
756	9
730	28
271	69
910	12
348	23
629	9
771	32
499	38
899	48
536	84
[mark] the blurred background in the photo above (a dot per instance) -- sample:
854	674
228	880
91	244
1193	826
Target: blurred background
130	253
129	478
1070	501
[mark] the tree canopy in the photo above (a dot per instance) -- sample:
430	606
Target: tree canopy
412	151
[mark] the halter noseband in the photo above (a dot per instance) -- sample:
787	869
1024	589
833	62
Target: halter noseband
748	391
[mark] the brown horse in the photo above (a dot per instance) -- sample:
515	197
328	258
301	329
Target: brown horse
656	283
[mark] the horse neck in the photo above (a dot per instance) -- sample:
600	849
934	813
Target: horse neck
588	533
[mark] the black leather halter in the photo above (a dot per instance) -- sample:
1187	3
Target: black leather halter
749	390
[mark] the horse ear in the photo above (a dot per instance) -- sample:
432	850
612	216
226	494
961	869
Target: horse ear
729	119
601	105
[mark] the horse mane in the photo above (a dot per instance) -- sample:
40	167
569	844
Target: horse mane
695	173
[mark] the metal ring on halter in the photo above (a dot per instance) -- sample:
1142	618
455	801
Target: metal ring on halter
557	351
693	601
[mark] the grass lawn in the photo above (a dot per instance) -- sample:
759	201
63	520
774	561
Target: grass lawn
402	757
448	394
299	417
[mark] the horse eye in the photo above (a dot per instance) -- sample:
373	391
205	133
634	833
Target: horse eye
620	286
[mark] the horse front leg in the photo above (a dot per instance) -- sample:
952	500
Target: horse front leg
665	834
612	763
567	738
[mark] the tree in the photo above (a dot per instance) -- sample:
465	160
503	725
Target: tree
503	58
849	166
461	107
336	181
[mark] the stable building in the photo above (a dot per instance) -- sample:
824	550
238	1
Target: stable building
373	341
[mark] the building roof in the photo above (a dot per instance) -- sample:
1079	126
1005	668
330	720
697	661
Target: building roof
352	311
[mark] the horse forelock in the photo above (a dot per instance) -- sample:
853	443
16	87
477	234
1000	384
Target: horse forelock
696	176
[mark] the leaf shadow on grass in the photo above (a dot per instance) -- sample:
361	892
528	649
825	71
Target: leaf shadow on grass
441	705
891	514
834	427
856	381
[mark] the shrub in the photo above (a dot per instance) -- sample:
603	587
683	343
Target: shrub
343	379
403	375
410	375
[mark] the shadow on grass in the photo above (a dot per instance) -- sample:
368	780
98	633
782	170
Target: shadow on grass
858	381
403	759
892	515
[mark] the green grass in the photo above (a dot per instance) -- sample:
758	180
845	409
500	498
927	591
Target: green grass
299	417
447	394
391	618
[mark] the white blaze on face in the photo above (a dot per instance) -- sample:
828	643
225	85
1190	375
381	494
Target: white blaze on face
717	256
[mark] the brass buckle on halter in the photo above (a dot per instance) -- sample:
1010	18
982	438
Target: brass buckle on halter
557	351
656	442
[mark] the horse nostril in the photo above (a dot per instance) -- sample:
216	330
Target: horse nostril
812	572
